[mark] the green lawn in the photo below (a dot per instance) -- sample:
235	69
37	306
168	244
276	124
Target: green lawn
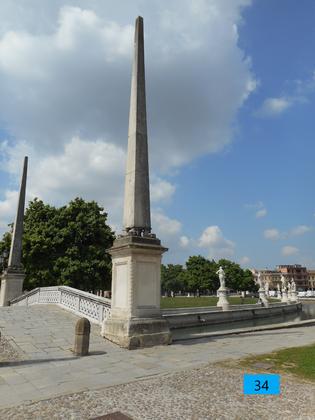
190	302
297	360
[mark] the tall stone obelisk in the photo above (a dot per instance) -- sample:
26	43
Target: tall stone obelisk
13	277
137	218
136	319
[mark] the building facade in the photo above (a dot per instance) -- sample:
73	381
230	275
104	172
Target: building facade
296	272
311	279
304	279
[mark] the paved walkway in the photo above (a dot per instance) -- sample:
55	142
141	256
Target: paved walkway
44	335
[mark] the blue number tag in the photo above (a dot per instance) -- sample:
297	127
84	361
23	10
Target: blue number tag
263	384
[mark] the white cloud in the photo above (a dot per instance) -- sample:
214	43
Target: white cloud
261	210
272	234
289	250
163	225
261	213
184	241
74	79
275	234
8	207
161	190
244	260
300	91
218	247
93	170
65	86
300	230
273	107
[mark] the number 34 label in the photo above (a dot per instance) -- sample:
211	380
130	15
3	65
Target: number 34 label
263	384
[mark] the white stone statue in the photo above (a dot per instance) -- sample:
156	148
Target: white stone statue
293	286
259	281
289	287
278	287
267	288
284	283
221	274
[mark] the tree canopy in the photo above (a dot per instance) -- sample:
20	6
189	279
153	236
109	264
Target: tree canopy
66	245
200	275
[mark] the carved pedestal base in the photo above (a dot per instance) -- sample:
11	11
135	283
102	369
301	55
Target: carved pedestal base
294	297
136	333
223	302
262	297
284	297
11	285
135	319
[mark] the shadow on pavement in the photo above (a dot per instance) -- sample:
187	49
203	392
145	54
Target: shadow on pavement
38	361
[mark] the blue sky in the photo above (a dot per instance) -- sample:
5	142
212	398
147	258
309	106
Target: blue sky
230	92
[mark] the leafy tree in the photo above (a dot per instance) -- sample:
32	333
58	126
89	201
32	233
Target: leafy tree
171	278
233	273
201	274
236	278
67	245
5	244
248	282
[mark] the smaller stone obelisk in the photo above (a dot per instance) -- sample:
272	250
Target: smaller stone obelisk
136	319
13	277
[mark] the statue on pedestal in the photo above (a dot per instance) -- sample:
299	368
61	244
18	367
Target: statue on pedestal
222	302
221	274
284	289
284	283
262	291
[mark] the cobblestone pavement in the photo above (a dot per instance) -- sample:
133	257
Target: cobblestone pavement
208	392
43	336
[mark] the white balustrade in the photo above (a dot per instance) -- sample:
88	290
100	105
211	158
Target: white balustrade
95	308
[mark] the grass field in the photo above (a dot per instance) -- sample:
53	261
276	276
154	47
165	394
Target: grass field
297	360
190	302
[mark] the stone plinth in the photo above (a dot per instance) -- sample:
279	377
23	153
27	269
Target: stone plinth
293	297
11	285
262	297
223	302
136	319
284	296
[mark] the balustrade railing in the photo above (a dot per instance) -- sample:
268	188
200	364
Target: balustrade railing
95	308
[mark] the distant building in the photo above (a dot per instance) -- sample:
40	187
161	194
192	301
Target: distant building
311	279
298	273
271	277
304	279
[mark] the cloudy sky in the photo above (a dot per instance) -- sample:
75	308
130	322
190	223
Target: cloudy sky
230	98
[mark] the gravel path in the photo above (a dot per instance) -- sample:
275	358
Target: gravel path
208	392
8	350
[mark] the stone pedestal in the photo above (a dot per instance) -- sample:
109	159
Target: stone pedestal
293	297
11	285
136	319
284	296
262	297
223	302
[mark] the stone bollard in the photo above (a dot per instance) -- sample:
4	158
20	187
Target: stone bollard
82	337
